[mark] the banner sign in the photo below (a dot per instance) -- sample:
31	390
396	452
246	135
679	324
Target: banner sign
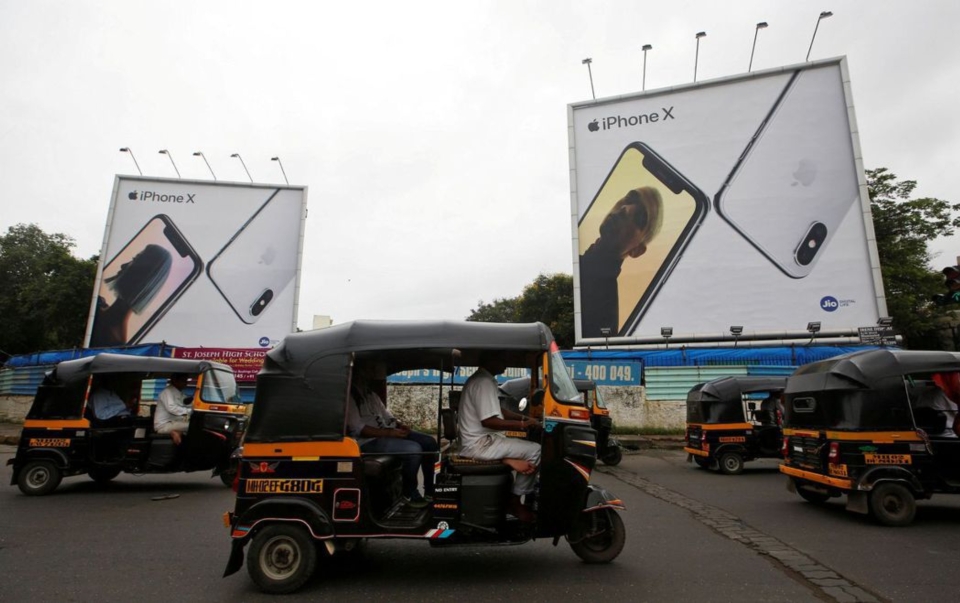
198	263
739	201
246	363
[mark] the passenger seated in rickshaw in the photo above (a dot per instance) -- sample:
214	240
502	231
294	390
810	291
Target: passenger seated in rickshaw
172	415
481	425
767	415
108	406
934	412
377	430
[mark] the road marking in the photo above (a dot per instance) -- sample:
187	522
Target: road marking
825	582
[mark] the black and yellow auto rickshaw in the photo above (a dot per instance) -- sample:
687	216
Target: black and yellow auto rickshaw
303	482
733	420
62	437
874	425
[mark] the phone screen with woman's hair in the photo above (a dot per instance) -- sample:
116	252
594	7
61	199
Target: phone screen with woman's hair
142	282
631	236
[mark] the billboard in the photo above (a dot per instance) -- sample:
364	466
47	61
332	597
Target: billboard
198	263
734	202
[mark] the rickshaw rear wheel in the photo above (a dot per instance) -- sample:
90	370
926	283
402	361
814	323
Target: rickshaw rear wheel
605	544
731	463
281	558
893	504
39	477
613	456
102	475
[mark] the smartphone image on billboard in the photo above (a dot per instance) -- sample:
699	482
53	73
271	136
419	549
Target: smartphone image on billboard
142	282
631	236
796	180
260	260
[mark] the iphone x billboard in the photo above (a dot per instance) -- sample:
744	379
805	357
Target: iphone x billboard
734	202
195	263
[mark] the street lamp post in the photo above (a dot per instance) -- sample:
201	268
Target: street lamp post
696	57
237	155
130	151
645	48
170	157
200	154
587	62
822	16
282	171
760	25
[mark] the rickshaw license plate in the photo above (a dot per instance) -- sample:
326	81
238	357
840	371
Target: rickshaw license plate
838	470
887	459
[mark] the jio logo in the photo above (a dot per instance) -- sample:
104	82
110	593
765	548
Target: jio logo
265	341
829	304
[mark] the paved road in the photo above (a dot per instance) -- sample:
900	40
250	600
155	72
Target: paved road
685	541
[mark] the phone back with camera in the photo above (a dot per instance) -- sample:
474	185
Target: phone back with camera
796	180
256	265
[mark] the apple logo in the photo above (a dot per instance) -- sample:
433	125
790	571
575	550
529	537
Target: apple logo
593	126
805	173
132	196
268	256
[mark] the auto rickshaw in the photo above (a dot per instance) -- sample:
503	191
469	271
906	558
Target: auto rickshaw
303	484
725	428
61	436
877	426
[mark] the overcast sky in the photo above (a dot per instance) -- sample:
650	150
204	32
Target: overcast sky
432	135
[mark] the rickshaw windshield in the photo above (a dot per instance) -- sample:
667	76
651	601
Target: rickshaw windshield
220	386
600	402
561	384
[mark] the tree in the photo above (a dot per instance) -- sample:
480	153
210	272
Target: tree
46	291
903	228
548	299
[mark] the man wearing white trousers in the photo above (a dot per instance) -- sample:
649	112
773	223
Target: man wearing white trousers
481	422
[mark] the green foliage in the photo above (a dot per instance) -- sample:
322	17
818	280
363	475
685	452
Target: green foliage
46	291
903	228
548	299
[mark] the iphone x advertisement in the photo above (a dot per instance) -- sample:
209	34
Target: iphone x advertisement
734	202
195	263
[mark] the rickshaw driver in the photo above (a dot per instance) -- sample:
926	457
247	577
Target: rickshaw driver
368	418
481	423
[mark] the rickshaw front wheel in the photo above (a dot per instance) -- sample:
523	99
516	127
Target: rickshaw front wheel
893	504
228	476
39	477
604	537
613	456
731	463
102	475
281	558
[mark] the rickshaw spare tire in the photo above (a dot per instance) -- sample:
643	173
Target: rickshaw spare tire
730	463
613	456
38	478
811	496
893	504
281	558
102	475
603	540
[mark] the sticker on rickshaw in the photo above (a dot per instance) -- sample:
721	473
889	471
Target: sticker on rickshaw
887	459
727	439
284	486
868	449
49	442
838	470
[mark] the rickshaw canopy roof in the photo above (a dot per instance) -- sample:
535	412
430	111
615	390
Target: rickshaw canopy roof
871	369
721	400
414	343
75	370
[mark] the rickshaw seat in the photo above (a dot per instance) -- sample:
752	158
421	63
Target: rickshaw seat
462	465
379	465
